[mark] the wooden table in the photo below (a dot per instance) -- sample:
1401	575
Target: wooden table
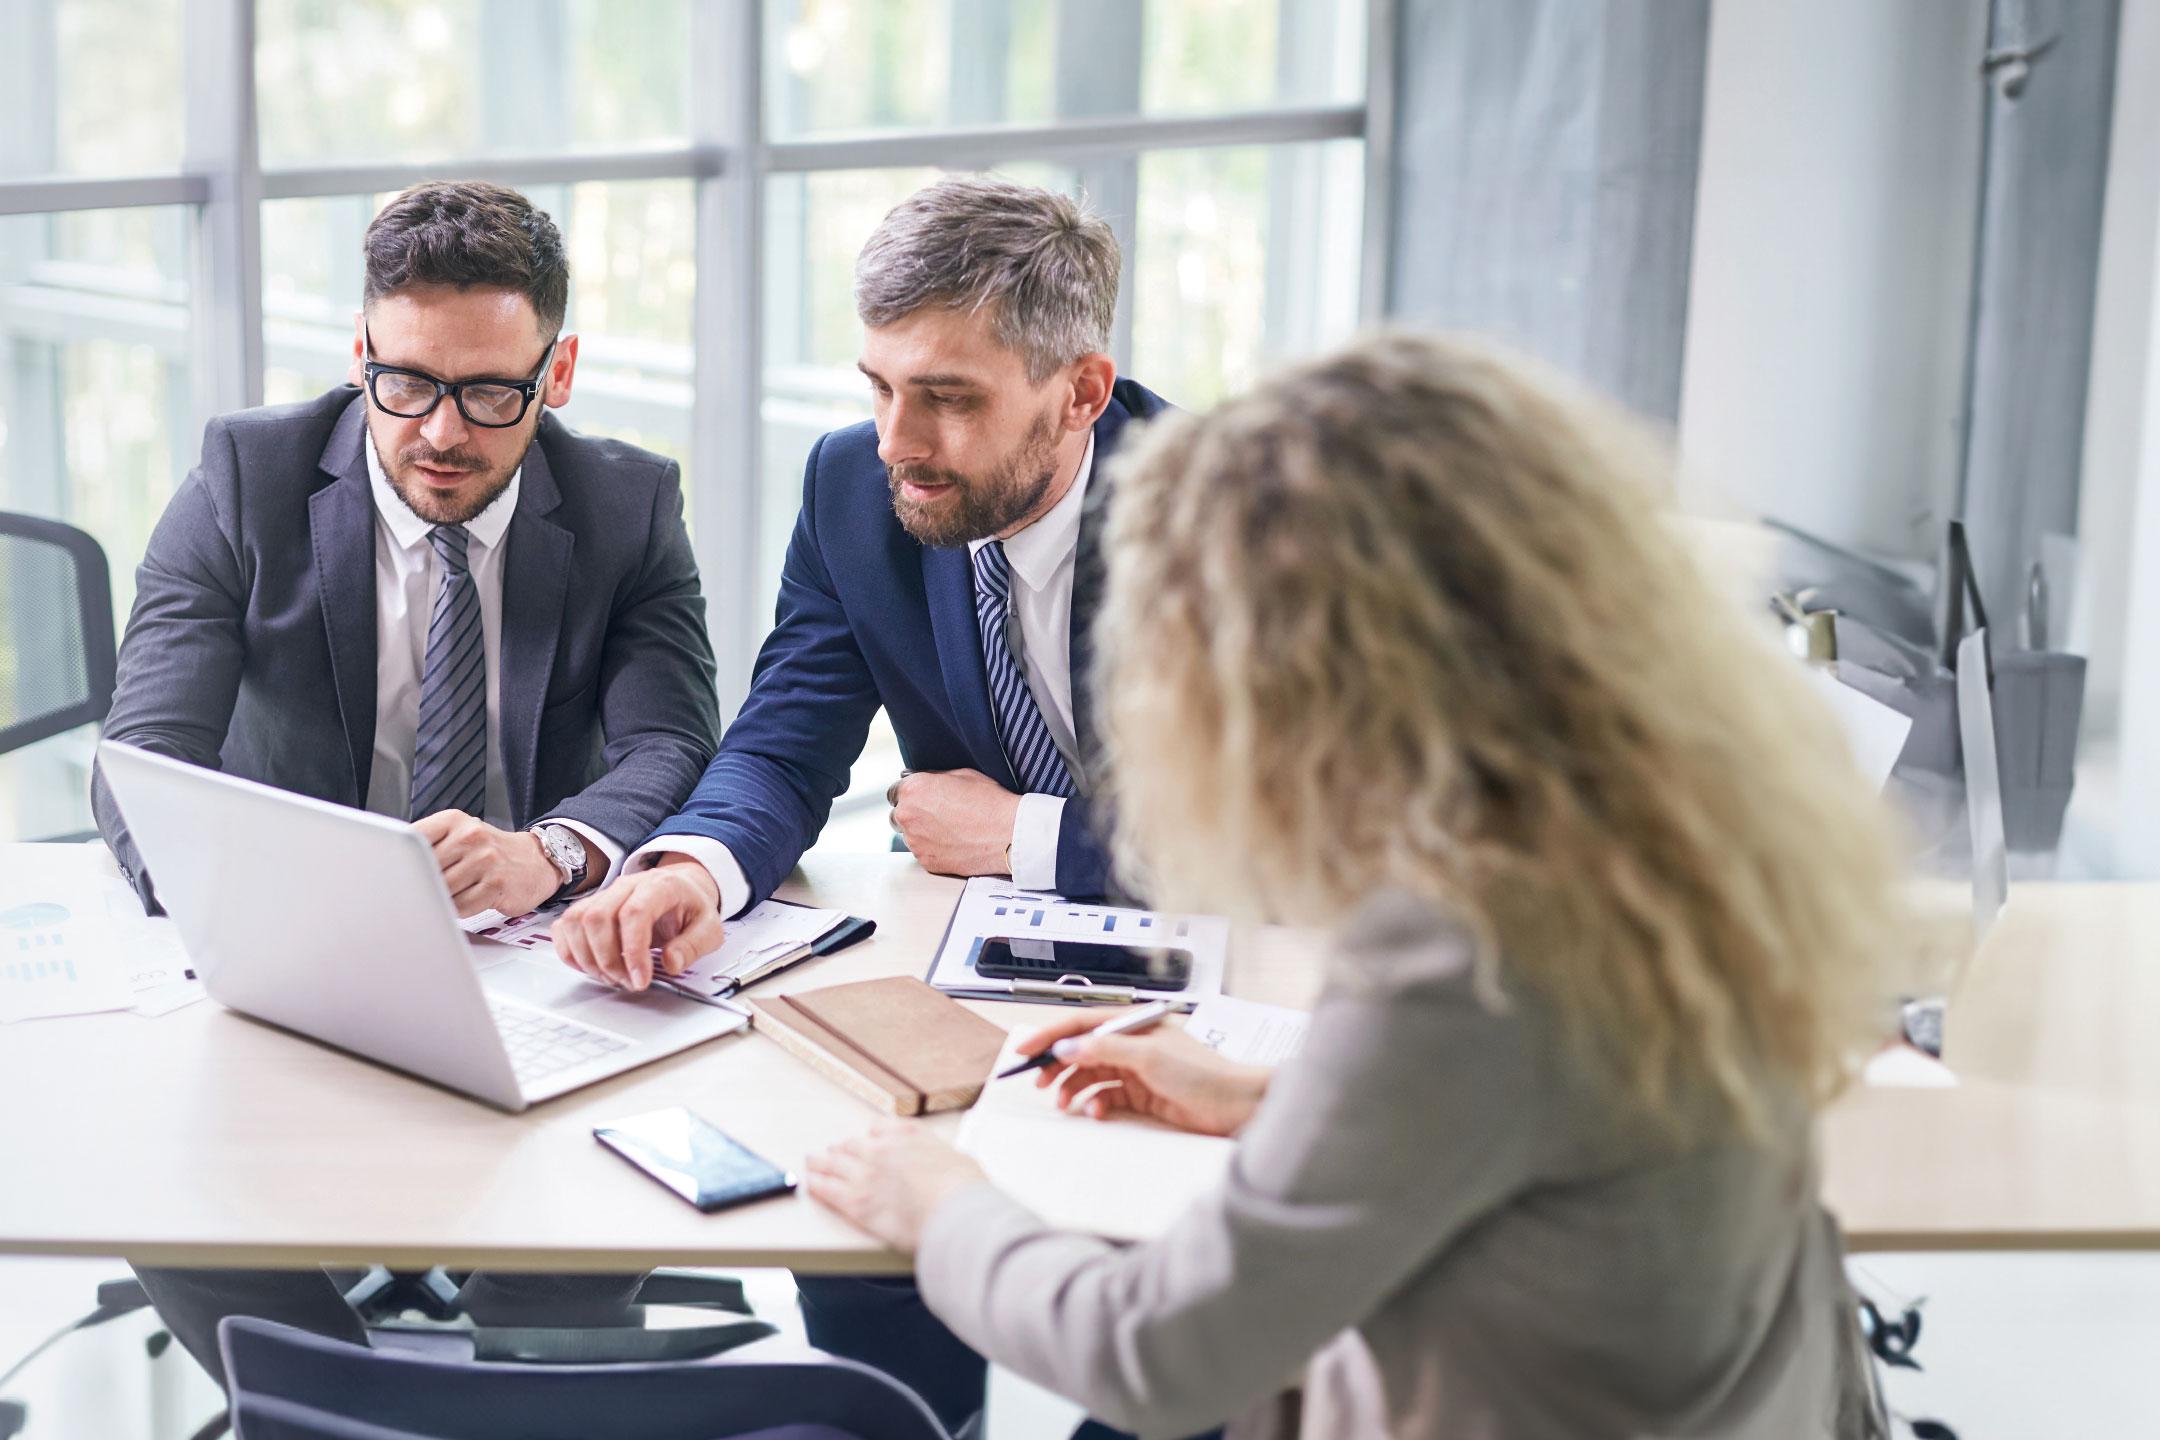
205	1138
2051	1139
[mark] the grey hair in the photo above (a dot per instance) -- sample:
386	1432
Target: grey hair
1044	266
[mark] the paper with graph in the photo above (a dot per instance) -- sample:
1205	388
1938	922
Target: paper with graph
993	907
53	959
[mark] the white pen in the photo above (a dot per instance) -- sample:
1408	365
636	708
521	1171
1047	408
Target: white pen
689	992
1129	1023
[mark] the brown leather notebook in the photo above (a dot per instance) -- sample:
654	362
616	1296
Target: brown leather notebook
897	1043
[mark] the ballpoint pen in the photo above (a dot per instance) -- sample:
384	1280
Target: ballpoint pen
689	992
1130	1023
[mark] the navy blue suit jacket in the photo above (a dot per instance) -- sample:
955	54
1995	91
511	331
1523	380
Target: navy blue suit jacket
870	616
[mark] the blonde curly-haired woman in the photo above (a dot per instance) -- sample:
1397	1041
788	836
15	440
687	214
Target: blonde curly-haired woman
1398	645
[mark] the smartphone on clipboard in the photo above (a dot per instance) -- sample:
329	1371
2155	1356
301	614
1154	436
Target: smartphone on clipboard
1143	967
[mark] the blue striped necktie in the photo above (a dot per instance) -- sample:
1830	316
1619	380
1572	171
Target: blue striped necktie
450	747
1028	745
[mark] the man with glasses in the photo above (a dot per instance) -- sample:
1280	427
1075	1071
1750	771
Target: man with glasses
430	598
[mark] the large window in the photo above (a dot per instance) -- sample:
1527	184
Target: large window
173	247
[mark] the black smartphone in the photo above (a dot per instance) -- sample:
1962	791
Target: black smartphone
695	1159
1143	968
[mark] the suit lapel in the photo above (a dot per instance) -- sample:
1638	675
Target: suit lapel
949	586
536	579
1086	596
341	528
1088	586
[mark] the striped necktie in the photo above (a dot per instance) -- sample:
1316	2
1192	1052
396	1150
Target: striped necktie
1028	744
450	747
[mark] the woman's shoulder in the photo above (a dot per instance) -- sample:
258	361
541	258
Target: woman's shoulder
1397	943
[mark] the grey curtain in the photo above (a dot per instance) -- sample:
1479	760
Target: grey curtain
1545	169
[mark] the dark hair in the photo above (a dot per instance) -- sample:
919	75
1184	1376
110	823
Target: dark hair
467	233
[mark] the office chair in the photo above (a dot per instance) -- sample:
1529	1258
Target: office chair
290	1385
57	657
54	579
378	1294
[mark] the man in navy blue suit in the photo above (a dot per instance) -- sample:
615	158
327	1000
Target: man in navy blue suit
944	567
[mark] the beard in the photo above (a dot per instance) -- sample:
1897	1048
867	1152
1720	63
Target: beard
978	507
432	505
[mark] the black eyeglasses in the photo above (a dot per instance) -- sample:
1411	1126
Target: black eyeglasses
413	395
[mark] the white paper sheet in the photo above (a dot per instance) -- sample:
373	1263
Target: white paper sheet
1901	1067
110	933
58	957
1125	1179
993	907
761	933
1248	1031
1874	732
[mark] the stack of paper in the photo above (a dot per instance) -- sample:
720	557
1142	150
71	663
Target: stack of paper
47	965
72	899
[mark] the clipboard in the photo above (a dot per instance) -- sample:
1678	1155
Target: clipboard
849	930
1207	937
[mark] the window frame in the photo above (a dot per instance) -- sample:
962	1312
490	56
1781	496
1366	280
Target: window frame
728	158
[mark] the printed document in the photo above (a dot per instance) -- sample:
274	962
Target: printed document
993	907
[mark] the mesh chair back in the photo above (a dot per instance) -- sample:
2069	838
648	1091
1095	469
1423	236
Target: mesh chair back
56	630
282	1377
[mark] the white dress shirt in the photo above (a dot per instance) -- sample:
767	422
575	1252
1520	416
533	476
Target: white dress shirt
406	575
1041	558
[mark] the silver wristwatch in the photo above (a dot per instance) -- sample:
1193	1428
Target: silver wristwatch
565	850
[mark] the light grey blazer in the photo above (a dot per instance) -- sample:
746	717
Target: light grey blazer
1438	1228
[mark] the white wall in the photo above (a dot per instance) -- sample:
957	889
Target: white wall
2116	415
1832	266
2119	511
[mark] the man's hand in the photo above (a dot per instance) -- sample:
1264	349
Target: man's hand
486	868
958	822
675	907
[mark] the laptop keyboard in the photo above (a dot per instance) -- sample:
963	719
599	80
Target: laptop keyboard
541	1042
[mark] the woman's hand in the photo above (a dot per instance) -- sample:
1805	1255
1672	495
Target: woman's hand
890	1181
1162	1073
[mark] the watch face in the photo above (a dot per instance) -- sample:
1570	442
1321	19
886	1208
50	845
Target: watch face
563	849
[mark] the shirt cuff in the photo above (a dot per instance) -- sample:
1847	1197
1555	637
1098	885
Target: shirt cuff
1035	841
598	841
718	860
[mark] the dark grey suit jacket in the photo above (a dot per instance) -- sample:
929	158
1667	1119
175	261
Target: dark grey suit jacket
252	643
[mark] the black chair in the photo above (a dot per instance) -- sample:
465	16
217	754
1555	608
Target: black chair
416	1314
57	657
290	1385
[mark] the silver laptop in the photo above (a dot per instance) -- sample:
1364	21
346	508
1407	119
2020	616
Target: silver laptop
334	923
